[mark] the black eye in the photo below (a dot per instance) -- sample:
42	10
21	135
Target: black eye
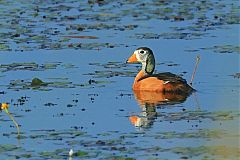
141	51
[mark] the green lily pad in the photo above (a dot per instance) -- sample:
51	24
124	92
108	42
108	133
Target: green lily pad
236	75
80	154
4	47
29	66
224	49
37	82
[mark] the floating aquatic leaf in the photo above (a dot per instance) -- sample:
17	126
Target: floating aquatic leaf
82	37
7	147
69	66
4	47
224	49
80	154
31	66
27	156
37	82
112	70
121	158
53	155
109	73
236	75
183	35
209	150
201	133
199	115
146	36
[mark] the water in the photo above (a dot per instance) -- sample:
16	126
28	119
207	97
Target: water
89	104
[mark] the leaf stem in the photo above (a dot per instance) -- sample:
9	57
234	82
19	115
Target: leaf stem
15	123
195	69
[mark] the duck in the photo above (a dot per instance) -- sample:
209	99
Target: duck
146	80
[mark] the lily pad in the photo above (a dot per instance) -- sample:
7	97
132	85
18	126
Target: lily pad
4	47
224	49
80	154
236	75
29	66
37	82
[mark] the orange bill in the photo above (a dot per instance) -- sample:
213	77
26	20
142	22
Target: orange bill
132	59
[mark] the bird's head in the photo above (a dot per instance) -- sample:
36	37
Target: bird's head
145	56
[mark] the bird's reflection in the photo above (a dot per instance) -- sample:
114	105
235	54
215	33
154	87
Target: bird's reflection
148	102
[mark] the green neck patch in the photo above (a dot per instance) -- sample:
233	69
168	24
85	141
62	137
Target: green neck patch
150	64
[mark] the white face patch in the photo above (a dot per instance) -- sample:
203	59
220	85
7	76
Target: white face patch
141	55
136	53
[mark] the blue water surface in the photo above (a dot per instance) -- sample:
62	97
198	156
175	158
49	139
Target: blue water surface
88	106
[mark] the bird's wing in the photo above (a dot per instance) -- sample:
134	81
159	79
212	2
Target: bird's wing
166	77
